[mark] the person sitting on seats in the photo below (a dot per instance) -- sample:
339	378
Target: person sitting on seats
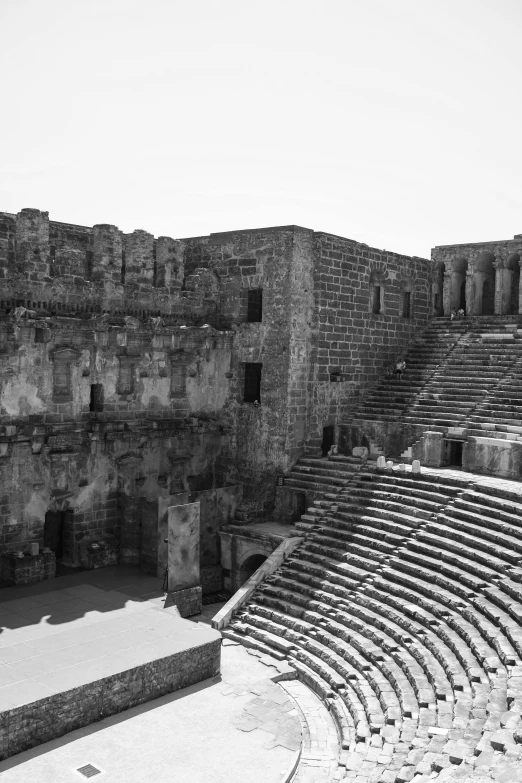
399	369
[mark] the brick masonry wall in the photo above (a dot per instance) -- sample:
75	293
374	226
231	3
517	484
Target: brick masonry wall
32	724
351	338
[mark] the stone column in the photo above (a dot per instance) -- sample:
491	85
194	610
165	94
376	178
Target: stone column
502	281
446	294
184	581
470	290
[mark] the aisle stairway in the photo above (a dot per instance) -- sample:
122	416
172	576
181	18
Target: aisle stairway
402	609
451	375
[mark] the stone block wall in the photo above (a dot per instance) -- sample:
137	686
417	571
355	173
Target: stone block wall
32	724
353	344
160	426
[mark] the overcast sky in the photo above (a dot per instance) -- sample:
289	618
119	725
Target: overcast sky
393	122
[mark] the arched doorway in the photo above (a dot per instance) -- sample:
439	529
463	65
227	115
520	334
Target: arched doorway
484	279
512	284
488	298
250	566
459	267
462	300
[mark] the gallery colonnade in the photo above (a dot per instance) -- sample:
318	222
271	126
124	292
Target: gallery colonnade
485	285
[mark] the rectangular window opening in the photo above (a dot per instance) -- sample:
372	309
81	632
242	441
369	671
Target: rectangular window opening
255	305
252	382
96	401
376	302
39	335
406	304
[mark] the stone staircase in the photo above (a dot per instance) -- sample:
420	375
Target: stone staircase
453	376
402	609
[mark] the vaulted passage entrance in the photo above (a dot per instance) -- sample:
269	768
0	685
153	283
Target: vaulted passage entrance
250	566
57	526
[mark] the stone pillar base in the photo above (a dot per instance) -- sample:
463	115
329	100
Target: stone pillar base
188	601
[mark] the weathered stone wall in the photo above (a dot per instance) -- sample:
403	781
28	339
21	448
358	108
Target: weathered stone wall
160	429
32	724
353	344
53	267
260	259
123	361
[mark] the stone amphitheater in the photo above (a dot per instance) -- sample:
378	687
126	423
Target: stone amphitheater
217	416
402	606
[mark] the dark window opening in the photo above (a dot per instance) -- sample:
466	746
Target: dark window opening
52	260
328	439
96	402
154	265
252	382
376	301
255	305
53	532
406	304
39	335
123	260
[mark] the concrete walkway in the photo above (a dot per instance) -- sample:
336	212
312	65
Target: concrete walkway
240	727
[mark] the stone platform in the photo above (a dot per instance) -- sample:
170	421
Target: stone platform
81	647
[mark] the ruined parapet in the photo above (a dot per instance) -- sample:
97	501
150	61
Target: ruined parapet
33	253
71	251
7	244
202	291
107	260
169	264
139	251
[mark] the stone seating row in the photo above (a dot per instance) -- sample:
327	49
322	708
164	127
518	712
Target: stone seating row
456	374
404	603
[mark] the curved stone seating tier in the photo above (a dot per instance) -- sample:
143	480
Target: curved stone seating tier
463	372
402	609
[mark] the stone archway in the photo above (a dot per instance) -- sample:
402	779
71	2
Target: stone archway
250	566
484	285
511	284
455	285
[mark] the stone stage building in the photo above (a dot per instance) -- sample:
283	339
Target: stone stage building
140	372
211	391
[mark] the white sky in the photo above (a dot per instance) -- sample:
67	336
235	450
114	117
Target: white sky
393	122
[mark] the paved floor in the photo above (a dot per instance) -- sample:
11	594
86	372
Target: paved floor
241	727
90	626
